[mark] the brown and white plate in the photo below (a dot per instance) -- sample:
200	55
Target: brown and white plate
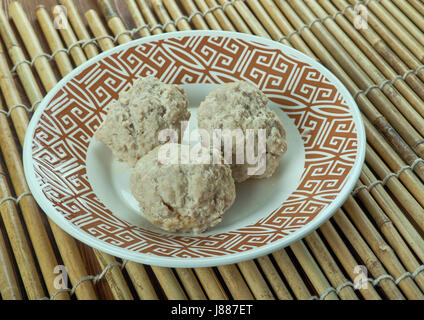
79	185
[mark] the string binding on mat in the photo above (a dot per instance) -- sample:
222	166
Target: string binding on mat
374	282
391	175
28	109
388	81
16	200
132	32
95	279
327	17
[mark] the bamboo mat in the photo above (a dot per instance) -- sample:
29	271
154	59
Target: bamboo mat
373	248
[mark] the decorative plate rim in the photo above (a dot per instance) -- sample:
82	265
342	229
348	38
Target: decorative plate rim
151	259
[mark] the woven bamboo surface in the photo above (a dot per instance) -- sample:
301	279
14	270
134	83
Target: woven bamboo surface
373	248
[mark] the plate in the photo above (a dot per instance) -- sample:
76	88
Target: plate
79	185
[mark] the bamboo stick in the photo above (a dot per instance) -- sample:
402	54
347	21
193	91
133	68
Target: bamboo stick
9	287
295	40
263	17
219	14
347	260
291	274
169	283
66	243
248	269
208	16
32	45
411	235
137	17
233	15
79	27
382	250
271	273
113	20
53	39
329	266
387	228
314	273
93	267
32	217
418	5
190	284
99	30
114	277
149	16
176	13
371	262
70	39
235	282
163	15
141	281
249	18
255	280
211	284
198	20
21	250
17	56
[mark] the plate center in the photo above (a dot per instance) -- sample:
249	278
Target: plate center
256	199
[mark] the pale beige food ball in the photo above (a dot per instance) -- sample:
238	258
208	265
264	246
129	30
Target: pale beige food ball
188	198
131	128
241	105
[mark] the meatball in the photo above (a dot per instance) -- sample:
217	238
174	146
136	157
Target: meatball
241	106
190	197
131	128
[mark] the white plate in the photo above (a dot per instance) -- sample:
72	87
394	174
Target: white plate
86	192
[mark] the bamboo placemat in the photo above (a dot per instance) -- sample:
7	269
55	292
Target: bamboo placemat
373	248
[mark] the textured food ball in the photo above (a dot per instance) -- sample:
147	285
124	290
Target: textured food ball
131	128
182	197
242	106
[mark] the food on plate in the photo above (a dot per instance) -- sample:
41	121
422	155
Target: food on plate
131	128
174	196
241	107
